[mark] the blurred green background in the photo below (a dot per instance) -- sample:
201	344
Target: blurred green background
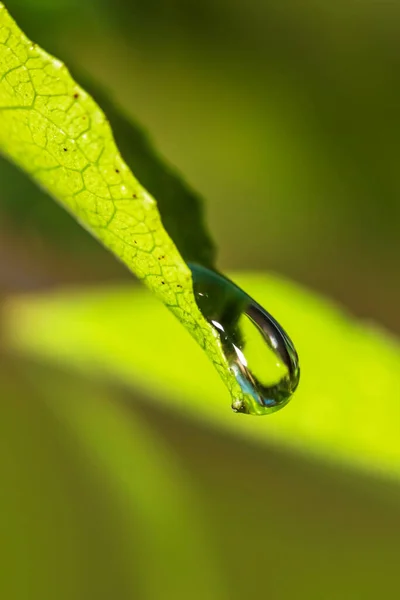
285	117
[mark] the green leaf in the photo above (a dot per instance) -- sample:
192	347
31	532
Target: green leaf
55	131
345	410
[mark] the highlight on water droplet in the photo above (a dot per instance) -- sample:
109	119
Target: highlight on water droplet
258	350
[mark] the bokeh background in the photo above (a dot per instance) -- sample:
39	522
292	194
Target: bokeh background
284	116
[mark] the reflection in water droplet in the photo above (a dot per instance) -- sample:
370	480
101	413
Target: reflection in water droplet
259	352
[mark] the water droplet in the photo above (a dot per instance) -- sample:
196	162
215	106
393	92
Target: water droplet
259	352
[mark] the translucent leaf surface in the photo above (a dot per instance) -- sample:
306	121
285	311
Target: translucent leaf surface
347	407
55	131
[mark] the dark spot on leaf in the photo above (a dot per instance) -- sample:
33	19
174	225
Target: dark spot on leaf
76	95
65	149
134	196
135	241
117	170
178	285
163	282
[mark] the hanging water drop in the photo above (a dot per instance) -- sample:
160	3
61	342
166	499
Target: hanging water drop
259	352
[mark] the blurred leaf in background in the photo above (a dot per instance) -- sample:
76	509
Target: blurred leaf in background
346	409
